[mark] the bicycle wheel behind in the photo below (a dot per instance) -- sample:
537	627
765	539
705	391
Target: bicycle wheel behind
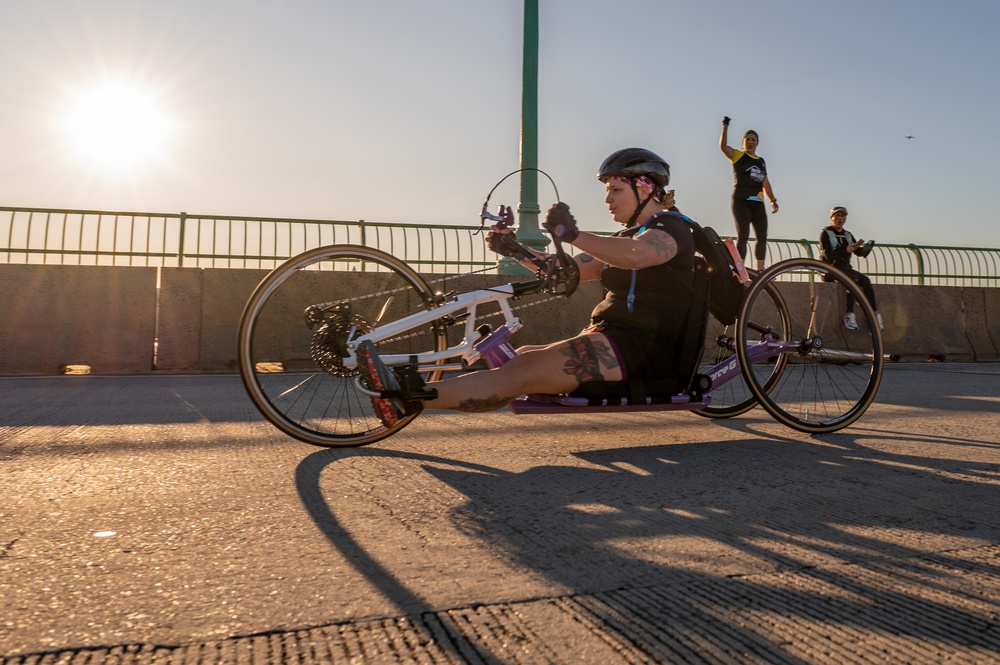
734	397
830	375
293	335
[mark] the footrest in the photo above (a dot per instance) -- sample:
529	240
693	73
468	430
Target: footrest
568	404
414	388
409	395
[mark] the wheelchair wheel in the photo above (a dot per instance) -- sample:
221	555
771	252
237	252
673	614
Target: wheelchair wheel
293	333
830	375
734	396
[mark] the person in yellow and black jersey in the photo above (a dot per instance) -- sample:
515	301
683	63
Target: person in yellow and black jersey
750	182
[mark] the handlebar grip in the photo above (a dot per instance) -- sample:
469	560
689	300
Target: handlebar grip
512	248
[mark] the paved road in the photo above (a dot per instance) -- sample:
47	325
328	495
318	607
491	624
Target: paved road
497	538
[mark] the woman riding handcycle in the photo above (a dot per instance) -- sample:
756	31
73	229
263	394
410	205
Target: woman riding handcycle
389	347
646	270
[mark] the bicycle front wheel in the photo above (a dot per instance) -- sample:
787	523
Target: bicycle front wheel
831	374
293	335
734	397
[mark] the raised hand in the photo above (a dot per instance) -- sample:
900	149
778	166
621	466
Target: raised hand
560	223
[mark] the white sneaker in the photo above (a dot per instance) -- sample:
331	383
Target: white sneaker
850	321
878	317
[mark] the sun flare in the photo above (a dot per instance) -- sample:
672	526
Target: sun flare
117	126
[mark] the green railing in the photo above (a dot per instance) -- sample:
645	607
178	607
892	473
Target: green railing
90	237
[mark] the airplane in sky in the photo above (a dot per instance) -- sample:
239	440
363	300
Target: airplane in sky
909	136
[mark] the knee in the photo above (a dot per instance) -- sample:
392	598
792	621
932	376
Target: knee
523	366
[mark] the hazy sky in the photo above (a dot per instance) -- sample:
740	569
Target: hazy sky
403	111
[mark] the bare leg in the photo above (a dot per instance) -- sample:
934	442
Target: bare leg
557	368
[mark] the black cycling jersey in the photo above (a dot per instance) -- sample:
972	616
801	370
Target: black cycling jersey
643	310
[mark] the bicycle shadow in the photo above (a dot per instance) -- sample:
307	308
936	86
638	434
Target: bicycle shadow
605	528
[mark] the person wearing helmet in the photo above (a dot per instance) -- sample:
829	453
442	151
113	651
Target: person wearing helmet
749	183
837	245
647	270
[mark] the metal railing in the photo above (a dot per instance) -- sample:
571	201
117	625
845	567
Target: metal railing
90	237
888	263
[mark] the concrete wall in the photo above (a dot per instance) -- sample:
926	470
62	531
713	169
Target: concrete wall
921	322
104	317
941	322
199	316
52	316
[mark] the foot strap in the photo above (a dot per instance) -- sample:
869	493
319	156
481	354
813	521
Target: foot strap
412	385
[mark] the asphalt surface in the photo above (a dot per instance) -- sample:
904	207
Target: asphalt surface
160	519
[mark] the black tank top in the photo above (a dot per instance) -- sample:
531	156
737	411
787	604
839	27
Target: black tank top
748	175
660	292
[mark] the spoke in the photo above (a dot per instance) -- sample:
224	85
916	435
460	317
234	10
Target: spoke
813	305
385	308
297	385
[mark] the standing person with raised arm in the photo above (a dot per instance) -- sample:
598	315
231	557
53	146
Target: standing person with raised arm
749	183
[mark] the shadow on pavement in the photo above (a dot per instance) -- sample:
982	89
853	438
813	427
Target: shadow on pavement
740	513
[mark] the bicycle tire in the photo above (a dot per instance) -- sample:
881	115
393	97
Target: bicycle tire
832	375
734	397
291	367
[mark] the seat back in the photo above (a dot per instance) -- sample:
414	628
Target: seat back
688	354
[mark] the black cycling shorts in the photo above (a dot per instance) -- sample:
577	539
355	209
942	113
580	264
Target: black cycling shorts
642	354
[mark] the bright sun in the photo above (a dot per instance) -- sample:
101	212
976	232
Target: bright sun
117	126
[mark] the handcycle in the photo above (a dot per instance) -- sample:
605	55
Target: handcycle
302	324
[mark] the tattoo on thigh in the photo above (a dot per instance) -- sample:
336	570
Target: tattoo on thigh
491	403
585	359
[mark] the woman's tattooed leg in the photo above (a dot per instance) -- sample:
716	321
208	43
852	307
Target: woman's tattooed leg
585	359
491	403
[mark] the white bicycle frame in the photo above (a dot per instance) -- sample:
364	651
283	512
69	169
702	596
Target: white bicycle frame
430	361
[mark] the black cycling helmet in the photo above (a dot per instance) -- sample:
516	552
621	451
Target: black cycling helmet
635	162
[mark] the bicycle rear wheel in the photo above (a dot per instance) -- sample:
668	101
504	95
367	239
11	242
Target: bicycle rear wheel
293	335
831	374
734	396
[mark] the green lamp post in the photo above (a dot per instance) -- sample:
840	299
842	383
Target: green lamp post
528	210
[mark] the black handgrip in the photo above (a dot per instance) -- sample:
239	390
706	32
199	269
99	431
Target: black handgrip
509	246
